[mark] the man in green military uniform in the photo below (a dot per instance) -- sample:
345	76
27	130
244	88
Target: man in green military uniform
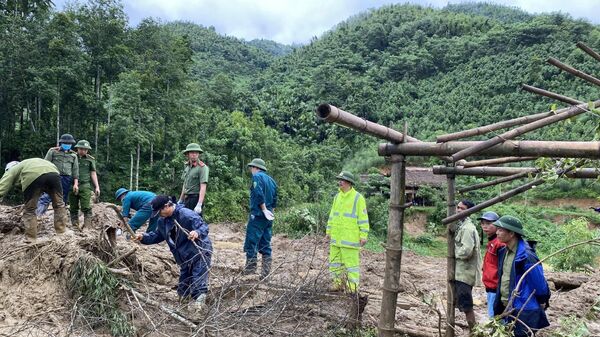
88	180
195	178
68	167
35	176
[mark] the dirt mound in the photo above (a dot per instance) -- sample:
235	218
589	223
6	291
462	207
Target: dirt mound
37	297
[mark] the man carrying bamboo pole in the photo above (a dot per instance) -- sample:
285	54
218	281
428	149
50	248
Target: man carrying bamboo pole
525	295
347	231
468	263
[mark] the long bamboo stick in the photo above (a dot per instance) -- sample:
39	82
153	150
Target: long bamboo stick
580	173
572	112
493	182
497	161
331	114
393	252
588	50
566	149
493	201
573	71
450	259
551	94
481	130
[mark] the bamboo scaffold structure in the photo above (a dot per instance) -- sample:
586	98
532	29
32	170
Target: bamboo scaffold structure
503	148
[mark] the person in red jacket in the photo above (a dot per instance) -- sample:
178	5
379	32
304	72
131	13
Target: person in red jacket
490	260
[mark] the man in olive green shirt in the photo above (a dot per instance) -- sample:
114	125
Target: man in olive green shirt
468	263
35	176
88	180
68	167
195	178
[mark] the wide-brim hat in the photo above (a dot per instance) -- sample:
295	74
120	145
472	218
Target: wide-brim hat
192	147
347	176
67	138
259	163
83	144
510	223
120	192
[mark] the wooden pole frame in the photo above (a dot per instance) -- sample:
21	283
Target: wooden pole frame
450	259
500	146
393	247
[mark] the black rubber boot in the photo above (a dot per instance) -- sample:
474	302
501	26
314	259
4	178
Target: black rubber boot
250	267
266	267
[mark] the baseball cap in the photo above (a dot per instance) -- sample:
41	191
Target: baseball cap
489	216
158	203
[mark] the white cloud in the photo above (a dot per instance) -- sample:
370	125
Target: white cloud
297	21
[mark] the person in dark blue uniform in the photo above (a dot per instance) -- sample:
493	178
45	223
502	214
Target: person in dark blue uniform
263	200
186	234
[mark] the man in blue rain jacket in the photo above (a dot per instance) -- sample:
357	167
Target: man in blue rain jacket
533	295
190	245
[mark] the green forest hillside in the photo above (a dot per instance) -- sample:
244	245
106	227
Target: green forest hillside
140	94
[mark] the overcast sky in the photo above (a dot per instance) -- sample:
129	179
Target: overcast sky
297	21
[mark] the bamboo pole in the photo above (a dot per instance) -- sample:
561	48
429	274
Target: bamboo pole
572	112
331	114
566	149
588	50
489	171
493	182
580	173
450	260
496	161
573	71
481	130
393	252
493	201
551	94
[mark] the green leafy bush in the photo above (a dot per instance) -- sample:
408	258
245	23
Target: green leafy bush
96	291
576	258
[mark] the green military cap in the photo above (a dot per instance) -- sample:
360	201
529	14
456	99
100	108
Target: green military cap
347	176
257	162
83	144
510	223
67	138
193	147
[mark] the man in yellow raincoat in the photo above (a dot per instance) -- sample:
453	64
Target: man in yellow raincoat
347	231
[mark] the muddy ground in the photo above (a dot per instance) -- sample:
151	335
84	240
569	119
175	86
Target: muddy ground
294	300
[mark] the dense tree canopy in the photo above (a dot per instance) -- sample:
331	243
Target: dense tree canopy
145	92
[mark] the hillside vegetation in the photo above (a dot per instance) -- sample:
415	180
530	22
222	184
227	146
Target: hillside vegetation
147	91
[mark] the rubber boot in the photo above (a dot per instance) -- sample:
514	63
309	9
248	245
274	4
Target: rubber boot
87	220
31	225
60	220
250	267
266	267
75	221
